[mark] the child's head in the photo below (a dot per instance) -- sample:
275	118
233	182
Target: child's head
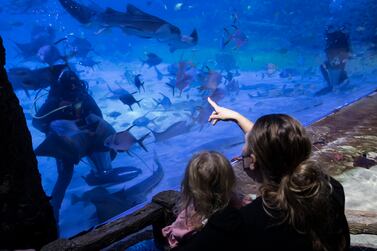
208	183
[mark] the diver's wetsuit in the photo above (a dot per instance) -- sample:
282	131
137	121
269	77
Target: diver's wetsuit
88	106
337	52
79	104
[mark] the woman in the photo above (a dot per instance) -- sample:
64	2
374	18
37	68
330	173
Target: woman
300	208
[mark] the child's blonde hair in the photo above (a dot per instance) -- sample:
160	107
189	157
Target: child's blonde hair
207	185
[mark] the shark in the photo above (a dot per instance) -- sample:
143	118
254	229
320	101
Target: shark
132	22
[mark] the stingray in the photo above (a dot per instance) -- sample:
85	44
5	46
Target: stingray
66	141
69	142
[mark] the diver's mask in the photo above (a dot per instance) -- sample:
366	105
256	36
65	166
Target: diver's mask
69	86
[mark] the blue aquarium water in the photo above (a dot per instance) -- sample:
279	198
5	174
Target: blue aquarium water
148	66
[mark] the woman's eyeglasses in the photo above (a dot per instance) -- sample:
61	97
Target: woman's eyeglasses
247	160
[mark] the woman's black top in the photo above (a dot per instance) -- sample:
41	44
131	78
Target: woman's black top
251	228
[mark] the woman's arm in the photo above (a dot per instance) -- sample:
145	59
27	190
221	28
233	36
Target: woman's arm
225	114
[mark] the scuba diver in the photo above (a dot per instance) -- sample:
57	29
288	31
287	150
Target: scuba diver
337	51
74	128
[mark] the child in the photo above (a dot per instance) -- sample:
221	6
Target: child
207	187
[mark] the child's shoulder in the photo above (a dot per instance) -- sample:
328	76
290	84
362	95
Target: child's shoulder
227	219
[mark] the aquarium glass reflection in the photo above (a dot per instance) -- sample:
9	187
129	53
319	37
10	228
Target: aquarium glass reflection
115	92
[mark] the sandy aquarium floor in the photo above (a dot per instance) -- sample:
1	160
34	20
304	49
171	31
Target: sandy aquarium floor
174	153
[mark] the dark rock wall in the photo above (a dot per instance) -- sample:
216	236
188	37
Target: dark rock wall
26	218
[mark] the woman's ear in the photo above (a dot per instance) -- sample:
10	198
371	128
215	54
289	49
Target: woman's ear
253	171
253	160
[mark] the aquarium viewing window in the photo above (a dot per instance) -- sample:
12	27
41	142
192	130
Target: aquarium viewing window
115	92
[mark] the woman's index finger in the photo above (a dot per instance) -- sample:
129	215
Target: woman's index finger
212	103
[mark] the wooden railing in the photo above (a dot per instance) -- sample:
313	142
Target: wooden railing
157	214
153	214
